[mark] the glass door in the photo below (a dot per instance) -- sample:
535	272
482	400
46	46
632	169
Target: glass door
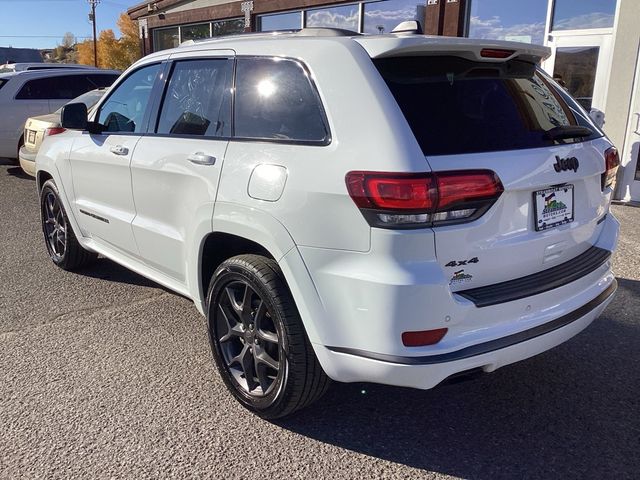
581	64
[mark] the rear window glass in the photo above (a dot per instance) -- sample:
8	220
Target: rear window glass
456	106
275	100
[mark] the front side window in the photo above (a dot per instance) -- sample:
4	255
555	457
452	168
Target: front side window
124	110
198	99
276	100
503	20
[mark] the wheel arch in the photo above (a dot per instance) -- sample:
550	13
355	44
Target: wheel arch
238	230
41	177
254	229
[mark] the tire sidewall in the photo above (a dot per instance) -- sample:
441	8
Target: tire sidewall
50	187
227	273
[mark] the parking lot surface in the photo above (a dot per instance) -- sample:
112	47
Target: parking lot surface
104	374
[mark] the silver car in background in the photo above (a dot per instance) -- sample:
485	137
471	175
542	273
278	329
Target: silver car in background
38	92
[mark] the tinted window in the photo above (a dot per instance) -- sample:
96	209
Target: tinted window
2	82
198	99
276	100
64	87
456	106
124	110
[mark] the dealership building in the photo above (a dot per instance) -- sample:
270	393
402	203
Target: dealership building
595	44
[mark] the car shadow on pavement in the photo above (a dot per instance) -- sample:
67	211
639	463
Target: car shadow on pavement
105	269
18	172
572	412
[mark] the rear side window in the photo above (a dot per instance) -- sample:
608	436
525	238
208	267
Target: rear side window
198	99
456	106
276	100
63	87
3	82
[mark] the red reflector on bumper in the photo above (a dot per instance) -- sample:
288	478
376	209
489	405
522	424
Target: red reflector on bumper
424	337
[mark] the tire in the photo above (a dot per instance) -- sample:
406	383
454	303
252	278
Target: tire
59	238
254	326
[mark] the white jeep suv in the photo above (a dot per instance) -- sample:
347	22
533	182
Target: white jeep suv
394	209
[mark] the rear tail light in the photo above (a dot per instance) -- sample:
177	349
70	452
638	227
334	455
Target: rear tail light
408	200
54	131
612	162
423	337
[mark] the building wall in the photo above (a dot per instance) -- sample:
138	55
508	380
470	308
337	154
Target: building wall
623	66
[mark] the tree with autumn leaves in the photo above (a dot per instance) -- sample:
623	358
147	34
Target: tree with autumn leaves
115	53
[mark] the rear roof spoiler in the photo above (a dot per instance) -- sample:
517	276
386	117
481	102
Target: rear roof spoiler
382	46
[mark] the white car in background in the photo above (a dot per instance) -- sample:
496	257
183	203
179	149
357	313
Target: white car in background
37	128
393	208
30	93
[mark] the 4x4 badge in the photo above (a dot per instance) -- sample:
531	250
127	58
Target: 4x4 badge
570	163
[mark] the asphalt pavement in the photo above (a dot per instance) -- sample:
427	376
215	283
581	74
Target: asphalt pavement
104	374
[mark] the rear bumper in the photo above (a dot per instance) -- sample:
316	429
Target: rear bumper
355	307
27	161
426	372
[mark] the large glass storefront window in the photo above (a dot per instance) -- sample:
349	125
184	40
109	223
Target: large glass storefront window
345	17
382	17
166	38
228	27
379	17
280	21
577	15
509	20
575	69
195	32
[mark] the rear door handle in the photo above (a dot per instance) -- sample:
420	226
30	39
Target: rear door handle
200	158
119	150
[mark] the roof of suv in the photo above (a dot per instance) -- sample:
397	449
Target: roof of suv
378	45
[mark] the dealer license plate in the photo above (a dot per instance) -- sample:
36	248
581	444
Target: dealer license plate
32	136
553	207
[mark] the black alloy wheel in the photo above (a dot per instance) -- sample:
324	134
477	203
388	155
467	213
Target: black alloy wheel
61	242
258	341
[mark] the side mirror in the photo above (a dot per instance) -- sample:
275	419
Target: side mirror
74	116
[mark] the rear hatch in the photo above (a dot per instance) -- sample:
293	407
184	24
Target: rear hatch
489	107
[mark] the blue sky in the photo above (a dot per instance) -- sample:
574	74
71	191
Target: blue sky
42	23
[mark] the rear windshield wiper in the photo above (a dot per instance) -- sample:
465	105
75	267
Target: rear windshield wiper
568	131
